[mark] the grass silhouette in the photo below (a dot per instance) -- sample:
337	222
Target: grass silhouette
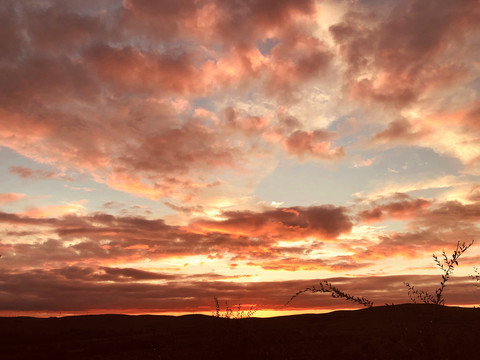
229	313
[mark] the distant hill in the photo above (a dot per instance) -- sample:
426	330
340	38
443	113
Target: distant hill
409	331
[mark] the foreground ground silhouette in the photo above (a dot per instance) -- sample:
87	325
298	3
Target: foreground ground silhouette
409	331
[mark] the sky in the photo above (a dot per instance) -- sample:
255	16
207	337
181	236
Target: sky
157	154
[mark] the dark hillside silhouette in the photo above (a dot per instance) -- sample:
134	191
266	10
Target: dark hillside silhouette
409	331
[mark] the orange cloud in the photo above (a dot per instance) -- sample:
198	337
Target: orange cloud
117	289
297	264
56	210
93	238
402	207
283	223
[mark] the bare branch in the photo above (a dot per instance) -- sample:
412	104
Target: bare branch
326	287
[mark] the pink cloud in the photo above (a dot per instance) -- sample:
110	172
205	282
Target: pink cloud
128	70
401	58
248	21
56	29
8	198
110	92
27	173
311	60
400	131
450	213
245	124
192	145
159	20
431	226
10	35
312	144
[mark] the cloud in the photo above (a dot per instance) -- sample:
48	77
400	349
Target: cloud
67	254
131	71
402	207
186	209
400	131
58	28
43	290
310	61
8	198
452	214
88	189
312	144
470	120
10	35
159	20
245	124
66	235
397	58
27	173
290	223
237	27
413	243
281	238
110	274
111	90
51	211
363	163
431	226
474	194
240	22
180	149
341	264
386	189
455	132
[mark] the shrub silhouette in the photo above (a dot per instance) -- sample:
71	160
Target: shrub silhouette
233	314
447	265
326	287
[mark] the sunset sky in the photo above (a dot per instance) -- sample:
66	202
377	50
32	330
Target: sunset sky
155	154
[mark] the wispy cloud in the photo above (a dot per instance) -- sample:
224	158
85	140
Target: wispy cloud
8	198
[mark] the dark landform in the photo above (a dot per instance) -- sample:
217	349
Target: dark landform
408	331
